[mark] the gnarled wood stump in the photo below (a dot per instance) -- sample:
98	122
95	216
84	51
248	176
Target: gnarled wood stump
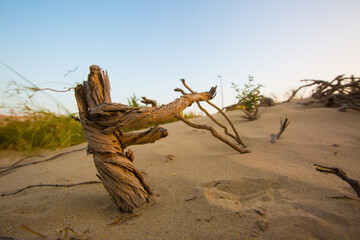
103	123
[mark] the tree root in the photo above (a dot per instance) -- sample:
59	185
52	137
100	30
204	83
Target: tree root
49	185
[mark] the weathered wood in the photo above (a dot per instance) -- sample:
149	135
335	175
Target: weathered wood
213	132
343	92
341	174
103	123
283	126
149	136
145	100
236	137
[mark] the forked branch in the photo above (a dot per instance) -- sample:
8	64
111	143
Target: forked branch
213	132
149	101
283	126
236	137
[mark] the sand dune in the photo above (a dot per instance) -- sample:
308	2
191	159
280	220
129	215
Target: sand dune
207	191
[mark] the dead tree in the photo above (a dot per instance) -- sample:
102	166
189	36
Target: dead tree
103	123
343	92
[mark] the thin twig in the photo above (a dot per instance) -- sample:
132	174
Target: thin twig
345	197
283	126
12	167
213	132
237	137
23	159
49	185
149	101
229	121
36	89
122	218
7	238
32	231
180	90
190	199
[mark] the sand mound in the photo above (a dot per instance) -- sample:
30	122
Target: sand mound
206	190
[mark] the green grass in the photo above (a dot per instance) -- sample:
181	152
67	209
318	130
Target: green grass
40	130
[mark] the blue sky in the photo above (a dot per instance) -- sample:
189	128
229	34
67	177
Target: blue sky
147	46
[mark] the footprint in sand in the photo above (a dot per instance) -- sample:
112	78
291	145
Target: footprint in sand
281	207
222	199
240	195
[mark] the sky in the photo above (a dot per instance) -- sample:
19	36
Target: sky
148	46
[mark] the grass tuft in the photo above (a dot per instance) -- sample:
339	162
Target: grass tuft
40	130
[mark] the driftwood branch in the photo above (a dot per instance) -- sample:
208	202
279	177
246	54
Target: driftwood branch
213	132
236	137
283	126
343	92
103	123
33	231
114	116
36	89
49	185
180	90
149	101
341	174
122	219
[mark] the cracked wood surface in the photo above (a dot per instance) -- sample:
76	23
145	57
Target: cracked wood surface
103	123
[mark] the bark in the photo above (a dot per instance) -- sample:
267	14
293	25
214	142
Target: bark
103	123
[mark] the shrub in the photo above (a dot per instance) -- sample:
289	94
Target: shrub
248	97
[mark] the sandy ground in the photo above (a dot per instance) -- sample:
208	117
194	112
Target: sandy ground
207	191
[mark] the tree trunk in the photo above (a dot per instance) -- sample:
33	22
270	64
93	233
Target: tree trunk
103	123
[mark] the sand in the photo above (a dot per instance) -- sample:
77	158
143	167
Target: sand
207	190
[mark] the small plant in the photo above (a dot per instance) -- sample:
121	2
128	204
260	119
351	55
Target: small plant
134	101
248	97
